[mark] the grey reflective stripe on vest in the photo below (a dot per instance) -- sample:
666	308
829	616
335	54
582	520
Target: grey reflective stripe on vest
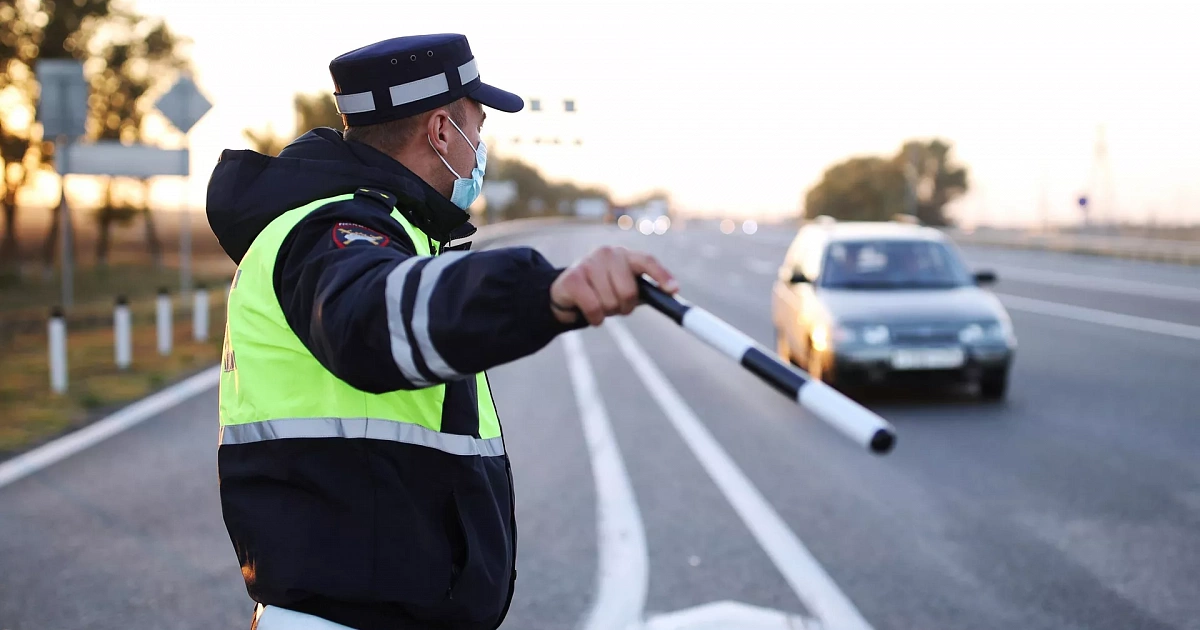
371	428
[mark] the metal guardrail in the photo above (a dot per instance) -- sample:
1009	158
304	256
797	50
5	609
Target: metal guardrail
1158	250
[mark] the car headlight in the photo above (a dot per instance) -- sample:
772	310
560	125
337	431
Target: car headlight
876	335
976	333
971	334
823	337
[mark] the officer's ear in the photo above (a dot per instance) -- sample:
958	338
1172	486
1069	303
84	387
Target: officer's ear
439	130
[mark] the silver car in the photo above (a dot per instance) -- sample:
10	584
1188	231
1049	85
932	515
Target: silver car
863	303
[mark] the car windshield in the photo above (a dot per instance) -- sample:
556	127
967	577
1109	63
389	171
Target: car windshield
892	264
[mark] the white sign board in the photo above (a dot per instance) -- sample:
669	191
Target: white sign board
137	160
62	101
183	104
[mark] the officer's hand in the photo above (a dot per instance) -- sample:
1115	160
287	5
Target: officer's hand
605	283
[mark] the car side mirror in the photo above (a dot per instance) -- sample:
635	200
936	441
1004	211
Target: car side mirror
984	278
798	278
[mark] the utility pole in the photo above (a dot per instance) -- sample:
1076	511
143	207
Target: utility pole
1100	189
911	176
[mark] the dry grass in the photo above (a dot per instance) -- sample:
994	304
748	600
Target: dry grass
31	414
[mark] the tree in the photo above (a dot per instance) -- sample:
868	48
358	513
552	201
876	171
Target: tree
125	56
311	110
859	189
936	180
533	191
875	189
138	55
32	30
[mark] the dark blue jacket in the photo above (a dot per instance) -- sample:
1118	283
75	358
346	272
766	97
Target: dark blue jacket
374	534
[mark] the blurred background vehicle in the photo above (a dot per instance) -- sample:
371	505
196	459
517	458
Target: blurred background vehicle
861	303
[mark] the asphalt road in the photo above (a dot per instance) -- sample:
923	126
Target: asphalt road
1074	504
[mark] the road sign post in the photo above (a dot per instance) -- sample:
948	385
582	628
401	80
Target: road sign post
184	106
62	110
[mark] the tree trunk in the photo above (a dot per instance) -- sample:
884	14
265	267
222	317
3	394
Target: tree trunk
50	244
152	239
104	218
8	248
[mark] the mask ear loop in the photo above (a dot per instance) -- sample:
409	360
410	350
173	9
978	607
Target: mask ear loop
430	140
460	132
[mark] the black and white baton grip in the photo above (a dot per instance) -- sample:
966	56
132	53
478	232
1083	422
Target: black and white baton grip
855	421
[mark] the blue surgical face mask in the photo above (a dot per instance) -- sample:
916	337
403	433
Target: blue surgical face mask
466	190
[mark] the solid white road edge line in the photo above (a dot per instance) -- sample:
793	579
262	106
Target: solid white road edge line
1098	283
816	590
623	575
1096	316
67	445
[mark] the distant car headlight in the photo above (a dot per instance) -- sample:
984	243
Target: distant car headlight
876	335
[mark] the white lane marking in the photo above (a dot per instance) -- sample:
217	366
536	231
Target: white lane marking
624	566
760	266
1098	283
728	615
1096	316
709	251
66	446
804	574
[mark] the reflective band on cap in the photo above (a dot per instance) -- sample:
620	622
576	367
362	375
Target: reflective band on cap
467	72
368	428
355	103
407	92
419	89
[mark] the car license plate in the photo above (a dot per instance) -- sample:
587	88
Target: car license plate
928	359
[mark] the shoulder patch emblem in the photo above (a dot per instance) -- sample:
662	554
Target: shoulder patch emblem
350	233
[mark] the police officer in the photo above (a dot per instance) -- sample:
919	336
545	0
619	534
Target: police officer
363	476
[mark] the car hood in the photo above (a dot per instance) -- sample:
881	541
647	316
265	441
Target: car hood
911	306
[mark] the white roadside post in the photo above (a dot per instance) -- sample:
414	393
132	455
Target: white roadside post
163	317
57	332
122	334
200	313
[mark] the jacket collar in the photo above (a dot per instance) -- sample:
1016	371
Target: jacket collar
420	203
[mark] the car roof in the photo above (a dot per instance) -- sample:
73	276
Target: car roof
876	230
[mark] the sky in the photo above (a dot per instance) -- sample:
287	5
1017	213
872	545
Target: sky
738	107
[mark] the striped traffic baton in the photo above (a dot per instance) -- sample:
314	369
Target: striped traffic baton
855	421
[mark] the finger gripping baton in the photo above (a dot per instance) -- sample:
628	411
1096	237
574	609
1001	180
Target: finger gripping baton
854	420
